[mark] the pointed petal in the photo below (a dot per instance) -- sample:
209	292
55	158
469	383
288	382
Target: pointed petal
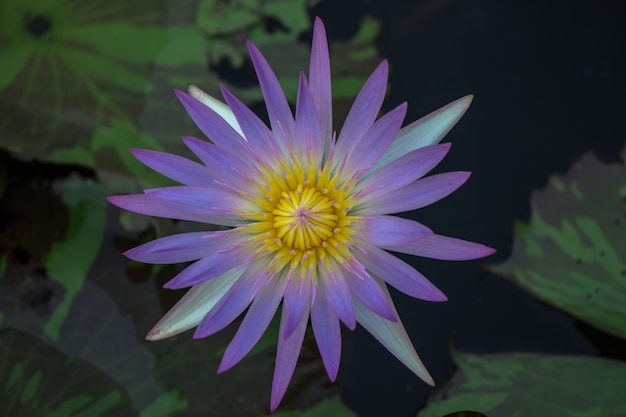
308	134
224	165
375	141
413	196
444	248
398	274
297	303
255	323
403	171
363	112
392	335
218	130
211	266
327	333
278	109
258	135
175	167
287	354
428	130
319	78
338	295
389	230
195	304
184	203
235	301
216	105
182	247
368	292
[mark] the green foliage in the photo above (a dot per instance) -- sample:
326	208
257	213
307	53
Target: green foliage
328	407
572	254
524	384
38	380
69	260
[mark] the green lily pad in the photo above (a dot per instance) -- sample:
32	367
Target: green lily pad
38	380
78	71
328	407
526	384
572	254
70	259
228	24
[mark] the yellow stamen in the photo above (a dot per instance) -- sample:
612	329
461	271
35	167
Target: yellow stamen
303	220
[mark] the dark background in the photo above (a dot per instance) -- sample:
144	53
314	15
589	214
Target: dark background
549	79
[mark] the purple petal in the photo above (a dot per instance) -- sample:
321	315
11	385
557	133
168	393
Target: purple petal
210	266
210	123
182	247
255	323
444	248
179	207
390	230
428	130
235	301
308	134
391	335
224	165
363	112
413	196
287	354
398	274
195	304
403	171
368	292
319	78
258	135
327	333
297	303
278	109
175	167
338	295
375	141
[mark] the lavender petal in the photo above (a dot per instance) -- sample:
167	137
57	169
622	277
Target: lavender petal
444	248
413	196
398	274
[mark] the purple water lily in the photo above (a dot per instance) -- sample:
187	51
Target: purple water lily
307	216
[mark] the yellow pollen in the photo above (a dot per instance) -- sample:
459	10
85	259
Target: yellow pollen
304	218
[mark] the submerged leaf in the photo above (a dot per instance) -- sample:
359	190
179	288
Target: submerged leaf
526	384
38	380
572	254
73	69
70	259
327	407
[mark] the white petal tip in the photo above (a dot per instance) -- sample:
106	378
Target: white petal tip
157	334
195	92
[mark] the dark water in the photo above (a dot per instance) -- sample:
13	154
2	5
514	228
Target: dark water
549	80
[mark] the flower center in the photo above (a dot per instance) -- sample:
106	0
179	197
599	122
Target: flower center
304	218
301	221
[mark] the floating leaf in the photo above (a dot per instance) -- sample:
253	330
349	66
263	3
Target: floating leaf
525	384
572	254
229	23
70	259
76	67
328	407
38	380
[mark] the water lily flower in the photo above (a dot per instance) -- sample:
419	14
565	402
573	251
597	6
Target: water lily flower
307	215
